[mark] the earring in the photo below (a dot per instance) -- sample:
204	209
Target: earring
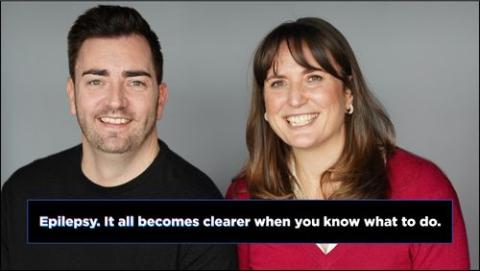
265	116
350	109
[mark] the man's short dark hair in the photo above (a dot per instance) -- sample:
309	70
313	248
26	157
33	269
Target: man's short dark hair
108	22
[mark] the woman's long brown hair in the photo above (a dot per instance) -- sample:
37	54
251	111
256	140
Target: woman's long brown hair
360	172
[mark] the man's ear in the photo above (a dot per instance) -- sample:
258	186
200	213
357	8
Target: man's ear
71	95
162	99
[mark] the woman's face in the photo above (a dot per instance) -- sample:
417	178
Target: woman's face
306	108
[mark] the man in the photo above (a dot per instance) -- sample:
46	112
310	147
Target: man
115	90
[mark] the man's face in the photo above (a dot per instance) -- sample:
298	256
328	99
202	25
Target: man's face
115	95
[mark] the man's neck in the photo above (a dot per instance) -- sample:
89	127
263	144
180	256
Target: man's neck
114	169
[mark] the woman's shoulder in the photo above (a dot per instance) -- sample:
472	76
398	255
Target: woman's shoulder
238	189
412	176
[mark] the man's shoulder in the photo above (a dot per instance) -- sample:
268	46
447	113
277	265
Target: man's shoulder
46	168
186	177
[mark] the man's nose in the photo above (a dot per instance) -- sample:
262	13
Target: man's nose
117	97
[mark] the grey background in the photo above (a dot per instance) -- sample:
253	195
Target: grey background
421	60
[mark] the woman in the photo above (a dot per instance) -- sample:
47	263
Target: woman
315	131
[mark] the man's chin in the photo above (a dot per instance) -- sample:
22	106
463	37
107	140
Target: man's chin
114	150
114	146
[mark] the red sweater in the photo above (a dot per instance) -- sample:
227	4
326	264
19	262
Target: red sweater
411	177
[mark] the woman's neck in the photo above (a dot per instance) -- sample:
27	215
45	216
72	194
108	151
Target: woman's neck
309	165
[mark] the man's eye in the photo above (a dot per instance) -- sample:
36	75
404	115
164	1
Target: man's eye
94	82
314	78
137	83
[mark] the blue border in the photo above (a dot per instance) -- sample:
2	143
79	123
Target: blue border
236	200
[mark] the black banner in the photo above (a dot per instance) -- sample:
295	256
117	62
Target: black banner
239	221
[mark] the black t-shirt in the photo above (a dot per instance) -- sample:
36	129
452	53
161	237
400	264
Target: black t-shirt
60	176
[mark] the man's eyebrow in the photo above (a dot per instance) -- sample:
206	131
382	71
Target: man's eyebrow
135	73
96	72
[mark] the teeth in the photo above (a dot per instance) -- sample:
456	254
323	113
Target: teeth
301	120
114	120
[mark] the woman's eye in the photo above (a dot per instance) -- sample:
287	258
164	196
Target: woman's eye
277	84
314	78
